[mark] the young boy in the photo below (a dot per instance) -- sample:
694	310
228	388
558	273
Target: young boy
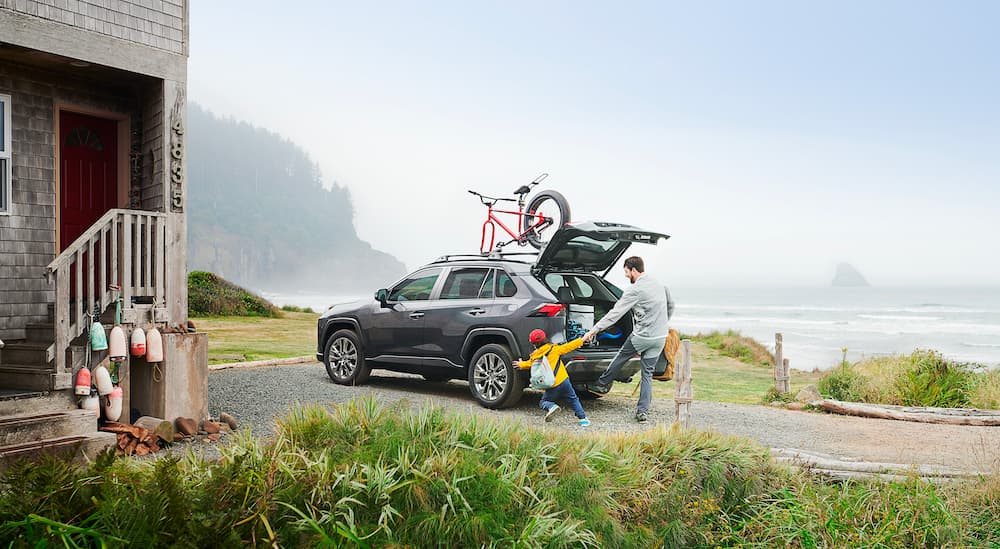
562	389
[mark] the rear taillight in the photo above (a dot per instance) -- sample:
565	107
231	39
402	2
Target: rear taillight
550	309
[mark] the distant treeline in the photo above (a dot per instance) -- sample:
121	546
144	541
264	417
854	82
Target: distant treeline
258	214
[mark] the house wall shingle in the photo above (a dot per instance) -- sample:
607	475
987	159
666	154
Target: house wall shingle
154	23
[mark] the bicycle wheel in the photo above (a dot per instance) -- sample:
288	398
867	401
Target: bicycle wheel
550	205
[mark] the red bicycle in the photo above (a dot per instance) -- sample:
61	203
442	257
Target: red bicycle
546	213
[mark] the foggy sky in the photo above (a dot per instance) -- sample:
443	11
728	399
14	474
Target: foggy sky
772	140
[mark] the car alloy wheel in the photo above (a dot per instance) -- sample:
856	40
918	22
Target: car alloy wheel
343	357
344	360
491	377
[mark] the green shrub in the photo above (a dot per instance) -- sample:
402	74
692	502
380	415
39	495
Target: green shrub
295	309
842	383
211	295
933	381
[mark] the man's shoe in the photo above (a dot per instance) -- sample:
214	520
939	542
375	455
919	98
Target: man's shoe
599	389
584	422
551	412
642	417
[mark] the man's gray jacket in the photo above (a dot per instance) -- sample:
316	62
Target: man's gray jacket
651	308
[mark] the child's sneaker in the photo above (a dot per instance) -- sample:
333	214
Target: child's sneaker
551	412
584	422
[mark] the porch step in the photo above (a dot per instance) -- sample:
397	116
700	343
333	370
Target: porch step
43	333
29	352
41	378
24	402
21	429
79	447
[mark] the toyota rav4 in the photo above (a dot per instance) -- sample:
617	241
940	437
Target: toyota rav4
468	317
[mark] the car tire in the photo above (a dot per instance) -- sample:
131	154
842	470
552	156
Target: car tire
493	380
344	359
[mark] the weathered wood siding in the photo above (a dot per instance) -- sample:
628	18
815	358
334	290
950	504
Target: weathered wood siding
27	235
154	23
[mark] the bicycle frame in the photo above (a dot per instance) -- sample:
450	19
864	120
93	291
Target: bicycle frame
492	221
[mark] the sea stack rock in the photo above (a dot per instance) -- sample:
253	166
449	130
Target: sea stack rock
848	276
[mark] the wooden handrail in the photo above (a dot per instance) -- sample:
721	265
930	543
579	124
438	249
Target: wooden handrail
127	248
82	240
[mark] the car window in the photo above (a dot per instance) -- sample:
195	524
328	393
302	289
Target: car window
417	287
505	285
487	291
554	280
581	287
464	283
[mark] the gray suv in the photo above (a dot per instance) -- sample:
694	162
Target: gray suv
468	317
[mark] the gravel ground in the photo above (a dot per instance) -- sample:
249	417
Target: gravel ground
257	396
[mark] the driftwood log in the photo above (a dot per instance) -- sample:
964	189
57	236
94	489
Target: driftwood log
948	416
842	468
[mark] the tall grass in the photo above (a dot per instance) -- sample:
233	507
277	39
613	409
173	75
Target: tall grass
733	344
922	378
366	475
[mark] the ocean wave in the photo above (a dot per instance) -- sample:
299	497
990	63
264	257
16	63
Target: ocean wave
942	309
987	345
900	317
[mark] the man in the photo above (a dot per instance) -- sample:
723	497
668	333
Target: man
651	308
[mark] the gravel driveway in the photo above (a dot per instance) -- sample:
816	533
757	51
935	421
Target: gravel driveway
257	396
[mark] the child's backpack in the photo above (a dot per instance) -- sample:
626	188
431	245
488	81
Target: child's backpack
543	376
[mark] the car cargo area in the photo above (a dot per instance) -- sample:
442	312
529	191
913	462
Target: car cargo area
588	298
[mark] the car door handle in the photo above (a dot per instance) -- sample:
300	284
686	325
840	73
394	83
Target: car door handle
476	311
416	315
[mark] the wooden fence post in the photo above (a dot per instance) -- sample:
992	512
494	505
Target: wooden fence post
786	379
684	393
779	384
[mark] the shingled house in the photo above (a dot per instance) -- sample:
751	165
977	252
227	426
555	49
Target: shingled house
92	196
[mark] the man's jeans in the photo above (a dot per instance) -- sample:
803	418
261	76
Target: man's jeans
562	391
650	354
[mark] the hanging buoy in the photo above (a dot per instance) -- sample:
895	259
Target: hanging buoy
103	381
91	402
154	346
83	382
98	339
138	342
116	342
113	405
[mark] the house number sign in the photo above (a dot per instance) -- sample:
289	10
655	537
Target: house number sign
177	165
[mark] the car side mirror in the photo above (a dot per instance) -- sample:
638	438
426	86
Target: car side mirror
382	296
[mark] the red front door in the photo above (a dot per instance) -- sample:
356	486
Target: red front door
88	171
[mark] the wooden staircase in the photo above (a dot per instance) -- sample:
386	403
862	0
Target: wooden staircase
30	364
38	410
33	423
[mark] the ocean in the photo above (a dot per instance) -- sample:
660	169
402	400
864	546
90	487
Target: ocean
816	323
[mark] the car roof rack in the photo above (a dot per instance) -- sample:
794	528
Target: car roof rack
492	256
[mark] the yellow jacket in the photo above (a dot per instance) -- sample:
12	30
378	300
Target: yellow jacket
554	354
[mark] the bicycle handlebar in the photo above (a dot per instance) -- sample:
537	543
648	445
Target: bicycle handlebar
488	199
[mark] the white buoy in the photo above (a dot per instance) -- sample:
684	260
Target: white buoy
138	342
116	342
154	346
103	381
113	405
91	402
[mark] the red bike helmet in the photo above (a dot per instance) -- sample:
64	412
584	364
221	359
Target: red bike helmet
536	336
